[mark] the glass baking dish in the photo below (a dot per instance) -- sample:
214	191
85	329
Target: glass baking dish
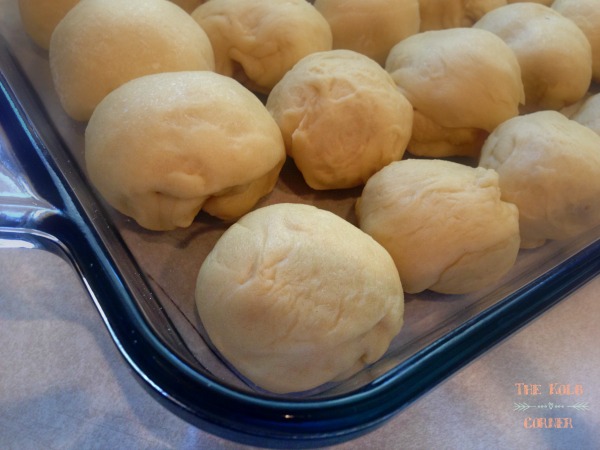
142	283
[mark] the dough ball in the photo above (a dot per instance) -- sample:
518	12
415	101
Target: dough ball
443	14
371	28
586	15
554	54
589	113
101	44
189	5
342	118
445	75
294	297
257	41
549	167
163	146
40	17
443	223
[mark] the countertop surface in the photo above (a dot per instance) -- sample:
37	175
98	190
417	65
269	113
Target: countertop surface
64	385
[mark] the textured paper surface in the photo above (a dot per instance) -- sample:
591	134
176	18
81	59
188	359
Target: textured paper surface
63	384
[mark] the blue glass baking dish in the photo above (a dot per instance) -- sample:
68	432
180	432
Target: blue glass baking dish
142	284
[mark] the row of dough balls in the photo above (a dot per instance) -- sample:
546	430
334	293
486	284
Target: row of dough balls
132	132
141	153
371	28
454	229
448	227
98	45
307	104
166	134
257	38
423	224
340	115
462	83
543	62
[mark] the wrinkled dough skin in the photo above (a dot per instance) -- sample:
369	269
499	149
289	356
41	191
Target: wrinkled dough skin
554	54
443	223
294	297
257	42
162	146
446	76
549	166
341	117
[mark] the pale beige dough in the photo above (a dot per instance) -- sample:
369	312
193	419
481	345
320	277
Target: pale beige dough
294	297
163	146
554	54
588	113
370	27
257	41
586	15
443	223
40	17
549	166
462	83
342	118
443	14
101	44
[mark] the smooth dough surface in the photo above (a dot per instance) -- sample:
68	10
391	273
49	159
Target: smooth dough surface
549	166
40	17
163	146
445	75
371	28
554	54
257	41
342	118
294	297
586	15
443	223
443	14
101	44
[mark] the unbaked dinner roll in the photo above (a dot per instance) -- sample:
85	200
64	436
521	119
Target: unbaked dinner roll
586	14
549	166
161	147
588	113
554	54
101	44
342	118
447	76
40	17
370	27
294	297
443	14
443	223
257	41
